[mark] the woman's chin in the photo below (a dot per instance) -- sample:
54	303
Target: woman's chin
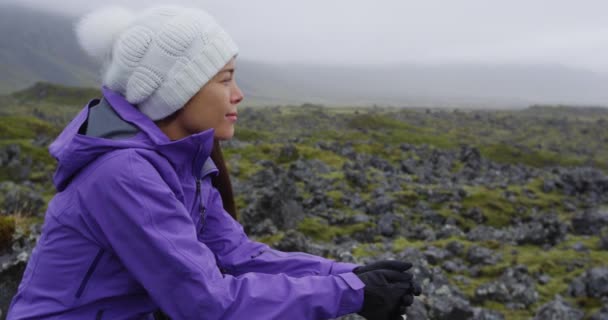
224	135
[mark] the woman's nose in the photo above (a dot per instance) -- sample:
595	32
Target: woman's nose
237	96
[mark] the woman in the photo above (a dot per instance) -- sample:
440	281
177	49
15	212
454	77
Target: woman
140	220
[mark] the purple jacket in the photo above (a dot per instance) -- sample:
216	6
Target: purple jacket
136	225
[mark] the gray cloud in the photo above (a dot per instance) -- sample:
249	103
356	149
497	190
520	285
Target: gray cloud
563	32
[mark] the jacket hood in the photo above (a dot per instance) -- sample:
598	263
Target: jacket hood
125	127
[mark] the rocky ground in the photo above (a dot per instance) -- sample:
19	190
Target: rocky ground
503	214
488	241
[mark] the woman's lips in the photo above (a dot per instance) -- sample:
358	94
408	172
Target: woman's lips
231	116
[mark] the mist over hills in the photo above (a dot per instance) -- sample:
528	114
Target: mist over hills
41	46
37	45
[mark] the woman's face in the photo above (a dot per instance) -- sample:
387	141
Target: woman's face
214	106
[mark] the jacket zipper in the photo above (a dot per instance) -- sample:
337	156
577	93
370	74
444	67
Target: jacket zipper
201	207
89	273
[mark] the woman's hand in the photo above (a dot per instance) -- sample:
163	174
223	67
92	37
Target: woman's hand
388	291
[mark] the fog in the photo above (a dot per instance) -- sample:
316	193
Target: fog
568	33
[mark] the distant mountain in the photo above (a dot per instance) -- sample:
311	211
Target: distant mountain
413	85
37	45
41	46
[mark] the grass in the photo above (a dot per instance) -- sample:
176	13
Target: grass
245	134
337	197
56	94
272	239
7	229
540	137
555	262
499	209
331	159
494	205
25	127
318	229
503	153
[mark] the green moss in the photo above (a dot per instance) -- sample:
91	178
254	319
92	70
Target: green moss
540	199
39	157
349	230
442	243
259	151
247	169
316	228
377	149
271	239
25	127
591	242
240	202
406	196
25	222
557	262
245	134
330	158
320	230
302	191
336	135
250	155
424	136
511	314
333	176
364	250
7	229
37	153
386	128
400	244
590	305
457	166
375	122
288	156
495	207
56	94
336	196
499	210
537	158
469	287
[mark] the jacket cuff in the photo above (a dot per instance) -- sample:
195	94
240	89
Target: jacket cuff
352	300
342	267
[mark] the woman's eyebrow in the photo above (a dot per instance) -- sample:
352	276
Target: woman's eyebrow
231	70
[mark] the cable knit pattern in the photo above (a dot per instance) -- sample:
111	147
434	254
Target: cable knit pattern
164	56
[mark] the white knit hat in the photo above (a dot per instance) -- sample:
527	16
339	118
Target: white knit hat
157	59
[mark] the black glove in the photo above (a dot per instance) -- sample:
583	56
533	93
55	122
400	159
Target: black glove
400	266
408	299
411	287
383	264
384	293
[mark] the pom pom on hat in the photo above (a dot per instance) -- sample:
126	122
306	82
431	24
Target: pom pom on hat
97	31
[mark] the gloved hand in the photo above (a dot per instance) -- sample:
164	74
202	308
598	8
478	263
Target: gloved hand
384	293
389	290
384	264
408	299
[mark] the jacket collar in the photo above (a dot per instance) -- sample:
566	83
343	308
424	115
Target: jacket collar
187	155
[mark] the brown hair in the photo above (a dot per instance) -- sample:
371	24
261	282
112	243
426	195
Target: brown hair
222	181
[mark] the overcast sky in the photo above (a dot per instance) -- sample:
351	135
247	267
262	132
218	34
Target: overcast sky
567	32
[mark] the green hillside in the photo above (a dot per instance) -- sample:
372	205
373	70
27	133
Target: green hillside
384	182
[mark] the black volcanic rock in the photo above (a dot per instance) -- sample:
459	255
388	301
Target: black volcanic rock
515	288
558	310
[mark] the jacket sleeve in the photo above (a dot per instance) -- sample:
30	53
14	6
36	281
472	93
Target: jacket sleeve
153	235
237	254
